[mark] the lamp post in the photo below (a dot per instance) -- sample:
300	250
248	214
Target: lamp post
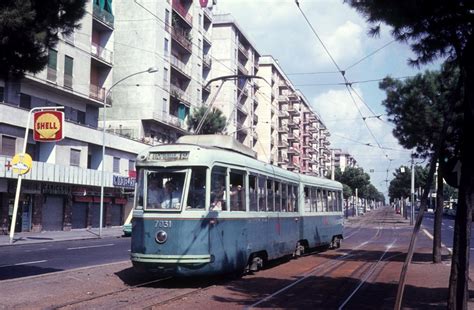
104	117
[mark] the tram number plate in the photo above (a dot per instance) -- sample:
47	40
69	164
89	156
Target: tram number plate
163	224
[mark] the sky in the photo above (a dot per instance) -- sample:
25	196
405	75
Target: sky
278	28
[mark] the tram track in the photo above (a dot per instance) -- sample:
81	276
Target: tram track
368	272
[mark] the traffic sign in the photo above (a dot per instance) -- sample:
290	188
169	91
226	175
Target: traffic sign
21	163
451	169
48	126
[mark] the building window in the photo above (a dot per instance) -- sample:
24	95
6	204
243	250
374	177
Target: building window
8	146
165	47
2	94
81	117
25	101
68	67
75	158
165	78
116	164
167	17
52	65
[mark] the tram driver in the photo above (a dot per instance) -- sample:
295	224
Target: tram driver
155	193
171	197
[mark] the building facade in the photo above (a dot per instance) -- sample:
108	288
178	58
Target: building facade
343	159
174	37
62	190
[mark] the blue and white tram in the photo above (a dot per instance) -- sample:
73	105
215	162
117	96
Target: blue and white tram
206	206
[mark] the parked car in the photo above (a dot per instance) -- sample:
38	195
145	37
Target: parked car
127	229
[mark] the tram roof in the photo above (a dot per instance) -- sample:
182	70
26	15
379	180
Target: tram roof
227	150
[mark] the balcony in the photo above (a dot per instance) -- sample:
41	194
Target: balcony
181	36
282	160
282	144
255	135
255	118
241	108
293	150
182	12
243	90
293	137
180	66
243	50
96	92
170	120
282	129
180	94
103	16
101	53
282	114
207	60
242	68
293	123
292	109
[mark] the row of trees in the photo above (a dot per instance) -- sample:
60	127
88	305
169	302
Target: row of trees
353	178
434	113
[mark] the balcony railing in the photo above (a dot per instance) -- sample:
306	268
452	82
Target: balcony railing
170	119
101	53
282	114
255	118
181	37
283	128
103	16
282	160
96	92
241	128
180	65
243	50
282	143
242	68
182	11
180	94
207	60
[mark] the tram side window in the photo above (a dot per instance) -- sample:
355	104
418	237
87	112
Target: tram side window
237	190
307	199
197	189
218	190
284	198
140	187
295	198
339	201
262	198
277	196
253	193
320	200
325	200
292	198
314	200
332	201
270	195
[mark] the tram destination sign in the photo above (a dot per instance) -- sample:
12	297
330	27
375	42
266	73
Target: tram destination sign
168	156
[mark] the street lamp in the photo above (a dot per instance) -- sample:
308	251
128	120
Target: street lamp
104	117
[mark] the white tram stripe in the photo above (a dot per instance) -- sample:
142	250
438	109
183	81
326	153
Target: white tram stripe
90	246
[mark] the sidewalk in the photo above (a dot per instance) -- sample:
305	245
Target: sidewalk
52	236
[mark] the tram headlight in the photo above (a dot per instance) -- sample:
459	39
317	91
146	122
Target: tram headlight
161	236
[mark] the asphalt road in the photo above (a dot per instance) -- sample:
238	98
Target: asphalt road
33	259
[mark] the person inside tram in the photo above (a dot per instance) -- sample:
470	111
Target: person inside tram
218	196
236	197
155	193
171	196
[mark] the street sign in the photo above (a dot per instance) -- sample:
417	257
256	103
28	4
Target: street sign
21	163
48	126
451	169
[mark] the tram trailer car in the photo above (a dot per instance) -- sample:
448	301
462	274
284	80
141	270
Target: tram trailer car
206	206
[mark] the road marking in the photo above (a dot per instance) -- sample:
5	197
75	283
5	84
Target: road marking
450	250
25	263
90	246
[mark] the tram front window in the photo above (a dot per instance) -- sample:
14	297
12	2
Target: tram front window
165	190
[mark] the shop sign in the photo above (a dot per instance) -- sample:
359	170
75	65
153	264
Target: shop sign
120	181
55	189
48	126
21	163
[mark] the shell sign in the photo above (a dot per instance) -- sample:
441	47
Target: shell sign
48	126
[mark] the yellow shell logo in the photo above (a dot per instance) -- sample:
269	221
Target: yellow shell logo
47	125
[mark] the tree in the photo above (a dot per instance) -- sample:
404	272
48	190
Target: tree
28	28
420	108
434	29
214	122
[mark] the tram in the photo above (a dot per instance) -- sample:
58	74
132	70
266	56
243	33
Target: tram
205	206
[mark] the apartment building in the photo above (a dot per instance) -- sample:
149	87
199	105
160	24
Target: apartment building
62	190
291	131
174	37
343	159
234	54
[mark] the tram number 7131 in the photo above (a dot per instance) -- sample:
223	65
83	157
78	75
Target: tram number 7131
163	224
